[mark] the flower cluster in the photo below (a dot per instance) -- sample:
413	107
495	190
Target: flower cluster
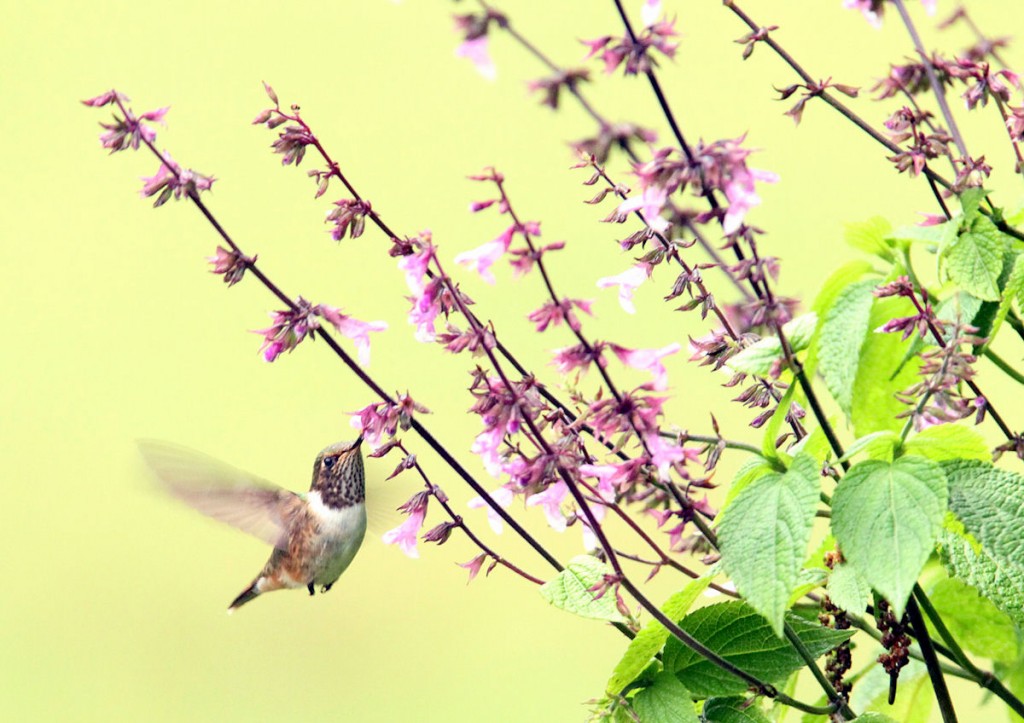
474	27
376	422
348	217
719	166
633	52
812	90
937	398
924	141
172	181
131	131
292	326
551	86
231	264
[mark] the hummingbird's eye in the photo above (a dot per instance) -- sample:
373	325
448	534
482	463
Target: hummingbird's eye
329	462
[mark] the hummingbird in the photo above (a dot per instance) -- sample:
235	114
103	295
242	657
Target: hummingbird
315	535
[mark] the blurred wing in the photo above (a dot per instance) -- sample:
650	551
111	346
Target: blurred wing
223	492
382	502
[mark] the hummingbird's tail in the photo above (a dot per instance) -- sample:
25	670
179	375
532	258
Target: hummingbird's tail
250	593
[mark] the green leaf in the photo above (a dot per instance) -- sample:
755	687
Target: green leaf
842	336
878	445
974	621
847	589
990	504
759	357
937	235
999	580
871	237
642	649
808	579
948	441
742	636
570	590
764	534
734	709
886	518
875	405
667	701
974	259
970	202
771	429
830	290
748	472
1013	286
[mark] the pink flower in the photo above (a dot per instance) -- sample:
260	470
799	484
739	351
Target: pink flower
230	264
105	99
627	281
385	418
872	9
415	264
664	454
488	445
551	500
648	360
579	356
482	258
474	566
174	181
476	52
552	314
650	12
405	534
356	330
612	476
129	132
503	496
291	326
425	309
742	197
650	204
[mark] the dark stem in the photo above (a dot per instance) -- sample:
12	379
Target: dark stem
931	660
983	678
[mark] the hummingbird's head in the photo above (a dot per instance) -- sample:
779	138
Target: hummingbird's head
338	474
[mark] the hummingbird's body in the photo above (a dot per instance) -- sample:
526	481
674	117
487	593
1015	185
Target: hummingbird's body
315	535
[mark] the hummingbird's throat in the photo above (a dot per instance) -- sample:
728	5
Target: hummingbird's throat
343	485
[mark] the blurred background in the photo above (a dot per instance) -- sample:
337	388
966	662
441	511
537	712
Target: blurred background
113	597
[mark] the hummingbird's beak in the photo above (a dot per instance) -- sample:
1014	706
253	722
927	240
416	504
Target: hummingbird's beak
359	440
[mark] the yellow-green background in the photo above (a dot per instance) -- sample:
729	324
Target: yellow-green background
111	597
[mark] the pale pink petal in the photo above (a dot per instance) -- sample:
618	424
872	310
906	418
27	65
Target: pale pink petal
551	500
475	51
406	533
487	444
359	333
627	282
650	12
503	497
482	258
648	360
